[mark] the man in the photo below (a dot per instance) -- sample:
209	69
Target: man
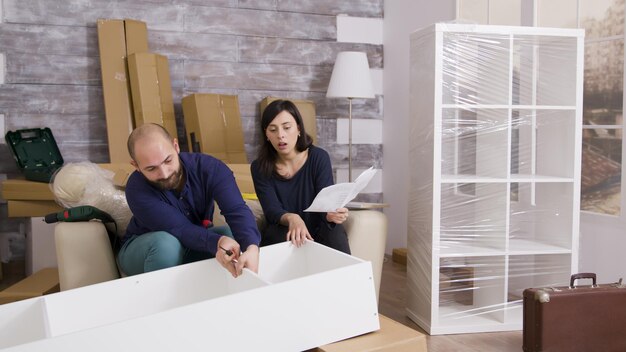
171	197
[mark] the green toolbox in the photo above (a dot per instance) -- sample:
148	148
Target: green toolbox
36	152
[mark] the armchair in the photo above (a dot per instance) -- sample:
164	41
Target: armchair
85	257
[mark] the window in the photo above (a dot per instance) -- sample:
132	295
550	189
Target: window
603	20
601	186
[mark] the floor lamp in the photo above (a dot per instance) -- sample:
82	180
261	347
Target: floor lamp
350	79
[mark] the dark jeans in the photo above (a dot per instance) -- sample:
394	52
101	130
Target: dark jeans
331	236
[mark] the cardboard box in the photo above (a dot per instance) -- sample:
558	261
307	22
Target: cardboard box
307	110
213	125
43	282
151	90
116	40
399	255
301	298
392	337
30	208
20	189
243	177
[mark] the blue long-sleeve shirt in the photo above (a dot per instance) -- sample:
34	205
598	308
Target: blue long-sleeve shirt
188	214
278	197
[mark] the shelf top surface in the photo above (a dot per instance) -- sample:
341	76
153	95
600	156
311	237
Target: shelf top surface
503	30
521	178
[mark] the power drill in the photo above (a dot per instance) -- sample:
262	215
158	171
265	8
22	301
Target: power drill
80	213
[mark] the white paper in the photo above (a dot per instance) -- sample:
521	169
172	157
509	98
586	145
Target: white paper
337	196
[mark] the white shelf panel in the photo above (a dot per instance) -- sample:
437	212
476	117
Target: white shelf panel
448	249
476	324
522	178
472	319
539	178
505	106
524	247
514	312
471	179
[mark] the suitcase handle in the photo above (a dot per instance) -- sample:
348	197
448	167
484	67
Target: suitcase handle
578	276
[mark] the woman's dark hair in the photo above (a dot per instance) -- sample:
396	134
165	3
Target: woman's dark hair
267	155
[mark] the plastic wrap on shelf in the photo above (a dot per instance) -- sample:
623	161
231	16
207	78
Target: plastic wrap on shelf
86	183
494	171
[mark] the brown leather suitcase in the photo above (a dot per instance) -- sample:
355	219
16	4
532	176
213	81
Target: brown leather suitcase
575	318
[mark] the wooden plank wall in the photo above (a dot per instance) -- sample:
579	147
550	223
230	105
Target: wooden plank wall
252	48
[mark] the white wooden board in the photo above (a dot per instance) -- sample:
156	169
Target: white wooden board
302	298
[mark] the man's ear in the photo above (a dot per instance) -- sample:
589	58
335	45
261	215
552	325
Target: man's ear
134	163
176	146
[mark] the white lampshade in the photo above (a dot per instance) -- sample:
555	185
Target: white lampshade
351	77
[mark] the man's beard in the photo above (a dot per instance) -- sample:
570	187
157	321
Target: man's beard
169	183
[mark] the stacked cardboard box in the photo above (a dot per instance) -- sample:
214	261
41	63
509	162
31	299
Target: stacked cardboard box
152	90
213	125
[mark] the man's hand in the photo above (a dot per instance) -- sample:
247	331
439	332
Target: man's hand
338	217
297	233
249	259
229	261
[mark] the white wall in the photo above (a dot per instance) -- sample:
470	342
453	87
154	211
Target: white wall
401	18
602	247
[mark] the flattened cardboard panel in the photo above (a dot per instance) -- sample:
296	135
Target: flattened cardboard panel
151	90
307	110
165	93
392	337
136	36
44	281
116	39
18	189
31	208
144	87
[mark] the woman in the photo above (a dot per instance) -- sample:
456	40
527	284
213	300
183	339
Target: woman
288	173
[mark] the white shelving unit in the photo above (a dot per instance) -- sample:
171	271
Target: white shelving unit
495	150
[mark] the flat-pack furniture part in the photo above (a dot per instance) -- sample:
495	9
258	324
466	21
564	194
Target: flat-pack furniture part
36	152
575	318
301	298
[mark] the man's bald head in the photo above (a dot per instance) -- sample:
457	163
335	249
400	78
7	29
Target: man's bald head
149	130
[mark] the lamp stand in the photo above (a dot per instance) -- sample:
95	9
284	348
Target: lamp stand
350	142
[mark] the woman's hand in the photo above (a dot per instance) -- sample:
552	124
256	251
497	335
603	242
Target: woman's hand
298	233
338	217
